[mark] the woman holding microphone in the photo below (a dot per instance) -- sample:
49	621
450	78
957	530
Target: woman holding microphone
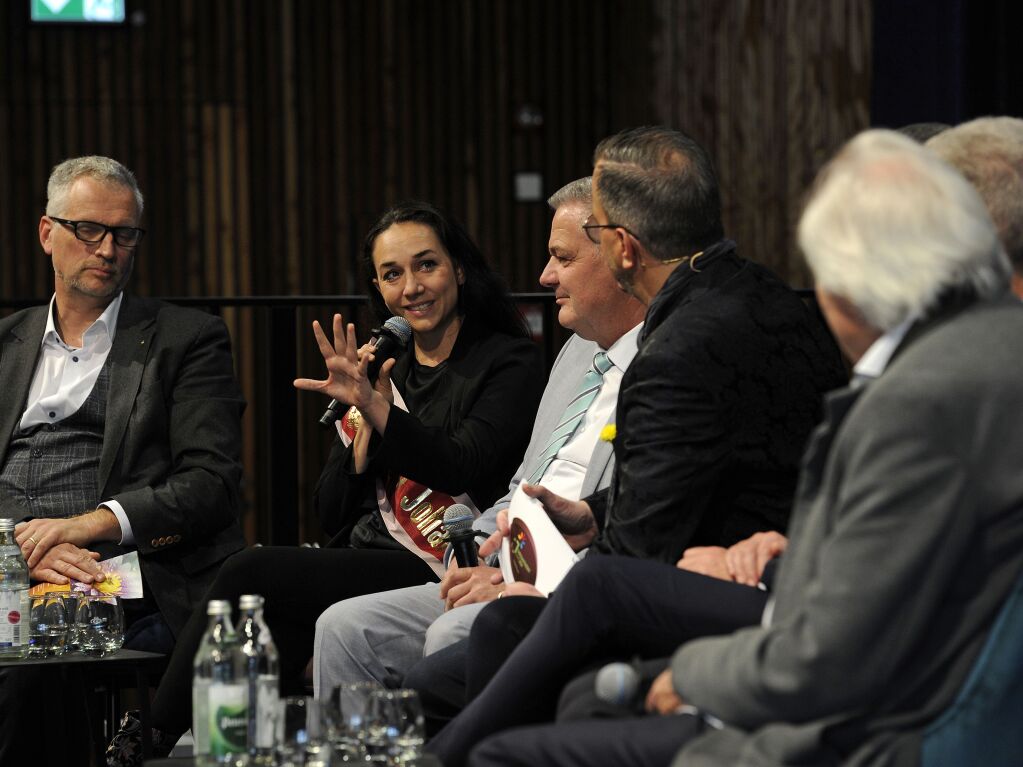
445	422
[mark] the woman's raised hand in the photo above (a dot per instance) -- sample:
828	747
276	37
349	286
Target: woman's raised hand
346	380
383	382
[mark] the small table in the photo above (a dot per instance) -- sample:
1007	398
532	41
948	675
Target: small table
107	668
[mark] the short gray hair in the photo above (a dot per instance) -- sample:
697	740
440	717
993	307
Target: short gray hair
893	229
580	191
660	184
102	169
989	152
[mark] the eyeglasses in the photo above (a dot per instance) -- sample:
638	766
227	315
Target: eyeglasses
93	232
594	236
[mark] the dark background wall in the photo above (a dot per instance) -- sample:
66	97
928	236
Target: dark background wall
946	60
268	134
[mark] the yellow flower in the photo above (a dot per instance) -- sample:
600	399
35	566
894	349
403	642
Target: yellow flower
109	585
608	433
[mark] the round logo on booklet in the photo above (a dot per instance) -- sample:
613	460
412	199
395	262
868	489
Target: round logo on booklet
523	552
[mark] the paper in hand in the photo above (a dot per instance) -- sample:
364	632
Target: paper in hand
534	552
122	578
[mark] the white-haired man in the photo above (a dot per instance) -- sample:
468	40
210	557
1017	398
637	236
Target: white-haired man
907	534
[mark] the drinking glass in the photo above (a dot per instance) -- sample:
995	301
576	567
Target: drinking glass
395	730
48	625
99	624
347	708
71	606
302	733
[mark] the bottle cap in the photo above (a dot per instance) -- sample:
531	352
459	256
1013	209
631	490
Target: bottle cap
218	607
250	602
6	525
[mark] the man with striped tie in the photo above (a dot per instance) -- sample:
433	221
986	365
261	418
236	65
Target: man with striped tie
714	410
382	635
711	425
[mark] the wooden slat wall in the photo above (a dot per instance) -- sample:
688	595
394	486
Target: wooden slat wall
267	135
772	89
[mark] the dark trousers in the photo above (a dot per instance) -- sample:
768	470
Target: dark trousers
298	584
607	608
649	741
449	678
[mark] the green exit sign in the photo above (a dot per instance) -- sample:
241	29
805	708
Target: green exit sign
79	11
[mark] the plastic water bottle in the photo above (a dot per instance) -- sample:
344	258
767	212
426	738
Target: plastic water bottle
262	676
219	693
14	605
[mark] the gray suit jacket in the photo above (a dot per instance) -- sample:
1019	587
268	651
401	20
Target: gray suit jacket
171	442
907	538
574	359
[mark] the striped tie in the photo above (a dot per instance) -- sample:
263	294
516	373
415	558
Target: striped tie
574	413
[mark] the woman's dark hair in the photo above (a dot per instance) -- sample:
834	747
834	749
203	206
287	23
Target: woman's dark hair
483	295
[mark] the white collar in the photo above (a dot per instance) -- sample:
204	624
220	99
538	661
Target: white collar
105	324
874	361
623	350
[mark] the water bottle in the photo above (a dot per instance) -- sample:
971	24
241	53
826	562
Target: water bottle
262	677
14	607
219	693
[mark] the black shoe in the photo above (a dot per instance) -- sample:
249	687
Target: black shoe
125	750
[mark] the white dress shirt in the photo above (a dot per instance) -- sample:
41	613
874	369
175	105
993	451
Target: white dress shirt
568	469
874	361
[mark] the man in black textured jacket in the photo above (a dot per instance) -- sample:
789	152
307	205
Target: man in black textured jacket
715	409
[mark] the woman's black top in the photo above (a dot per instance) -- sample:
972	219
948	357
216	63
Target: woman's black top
468	424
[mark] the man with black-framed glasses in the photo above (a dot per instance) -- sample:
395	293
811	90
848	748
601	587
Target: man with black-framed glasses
120	429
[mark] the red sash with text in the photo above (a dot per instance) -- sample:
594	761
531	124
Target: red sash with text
412	512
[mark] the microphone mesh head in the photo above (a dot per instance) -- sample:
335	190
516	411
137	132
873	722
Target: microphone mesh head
458	519
616	684
401	328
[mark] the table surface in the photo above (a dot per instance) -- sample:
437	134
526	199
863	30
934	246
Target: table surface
118	657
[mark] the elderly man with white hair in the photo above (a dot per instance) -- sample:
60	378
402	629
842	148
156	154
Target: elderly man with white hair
907	534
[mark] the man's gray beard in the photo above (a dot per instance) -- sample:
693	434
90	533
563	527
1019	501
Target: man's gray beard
75	284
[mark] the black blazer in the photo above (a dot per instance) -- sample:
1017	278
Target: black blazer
171	443
468	438
715	409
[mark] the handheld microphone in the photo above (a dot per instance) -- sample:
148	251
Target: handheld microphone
388	342
617	684
624	685
461	537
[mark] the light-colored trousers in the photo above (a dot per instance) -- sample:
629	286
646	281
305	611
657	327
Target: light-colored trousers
372	637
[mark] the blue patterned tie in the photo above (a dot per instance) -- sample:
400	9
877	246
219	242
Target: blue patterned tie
574	413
